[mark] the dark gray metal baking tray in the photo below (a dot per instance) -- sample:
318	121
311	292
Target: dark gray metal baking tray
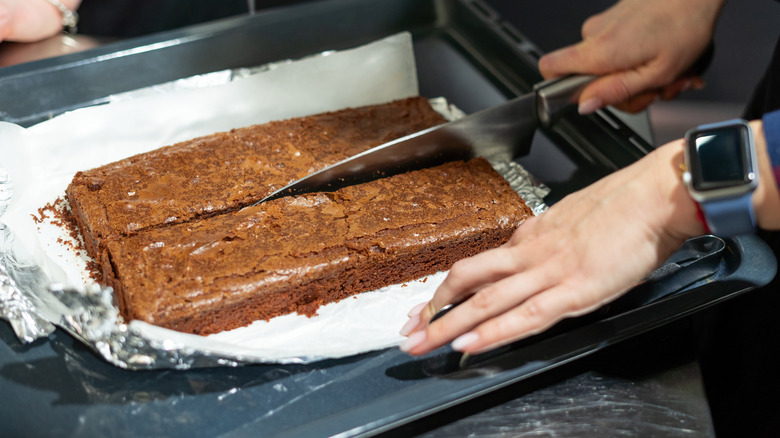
466	53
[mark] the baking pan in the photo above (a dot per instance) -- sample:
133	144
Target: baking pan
466	53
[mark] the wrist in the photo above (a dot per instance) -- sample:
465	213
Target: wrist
681	216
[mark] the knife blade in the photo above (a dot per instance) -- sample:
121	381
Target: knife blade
503	131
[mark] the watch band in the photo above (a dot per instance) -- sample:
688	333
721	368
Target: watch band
731	216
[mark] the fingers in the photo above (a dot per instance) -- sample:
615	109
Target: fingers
641	101
509	310
469	275
537	314
619	88
492	301
26	21
632	92
465	277
624	88
578	58
594	25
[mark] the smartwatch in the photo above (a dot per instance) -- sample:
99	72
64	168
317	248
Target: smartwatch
721	173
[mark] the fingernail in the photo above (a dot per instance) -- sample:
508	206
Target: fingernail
589	106
416	310
464	341
413	322
412	341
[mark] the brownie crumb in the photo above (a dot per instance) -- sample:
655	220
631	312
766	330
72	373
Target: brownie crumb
58	213
93	269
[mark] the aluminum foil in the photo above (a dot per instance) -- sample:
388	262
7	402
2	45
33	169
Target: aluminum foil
6	189
34	302
18	280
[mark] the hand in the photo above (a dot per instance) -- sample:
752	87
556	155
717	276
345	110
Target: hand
643	49
30	20
584	251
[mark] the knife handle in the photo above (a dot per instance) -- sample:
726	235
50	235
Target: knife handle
556	96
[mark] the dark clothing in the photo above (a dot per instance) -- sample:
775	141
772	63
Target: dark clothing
766	96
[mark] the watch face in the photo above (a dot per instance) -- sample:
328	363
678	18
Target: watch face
720	158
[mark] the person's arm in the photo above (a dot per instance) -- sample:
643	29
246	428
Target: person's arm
586	250
31	20
643	48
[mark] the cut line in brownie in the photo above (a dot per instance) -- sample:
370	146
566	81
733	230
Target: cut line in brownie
294	254
225	171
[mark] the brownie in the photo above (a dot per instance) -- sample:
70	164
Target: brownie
222	172
294	254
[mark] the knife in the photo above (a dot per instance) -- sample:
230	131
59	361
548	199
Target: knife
504	131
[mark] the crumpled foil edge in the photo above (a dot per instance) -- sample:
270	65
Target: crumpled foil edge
6	189
17	309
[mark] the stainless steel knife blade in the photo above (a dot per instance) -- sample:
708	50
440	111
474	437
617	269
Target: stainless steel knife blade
503	131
